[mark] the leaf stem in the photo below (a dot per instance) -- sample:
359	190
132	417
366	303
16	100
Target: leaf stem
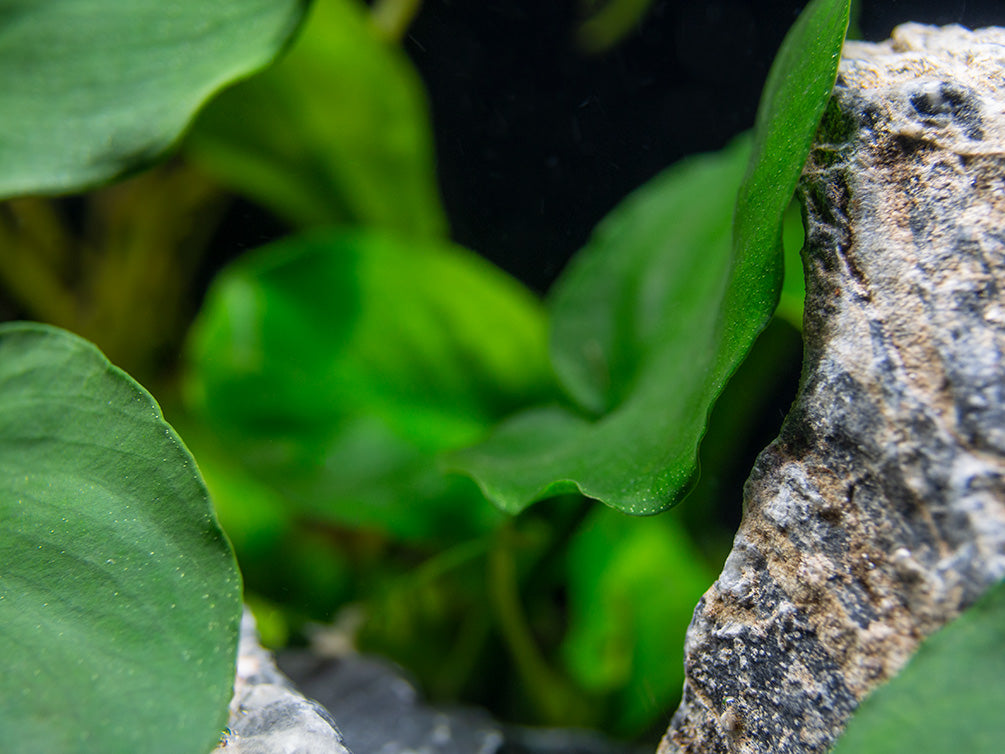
557	699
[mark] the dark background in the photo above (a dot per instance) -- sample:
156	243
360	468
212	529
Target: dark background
536	140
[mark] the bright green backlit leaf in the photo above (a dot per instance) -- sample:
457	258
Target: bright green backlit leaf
658	310
337	131
633	584
119	597
790	302
340	364
949	697
90	89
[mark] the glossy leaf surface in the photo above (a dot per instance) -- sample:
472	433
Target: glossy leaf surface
90	89
340	364
337	131
119	595
662	305
949	697
792	104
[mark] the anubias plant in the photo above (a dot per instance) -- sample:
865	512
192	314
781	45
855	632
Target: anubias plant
337	381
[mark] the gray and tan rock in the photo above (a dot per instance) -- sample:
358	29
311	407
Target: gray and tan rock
879	512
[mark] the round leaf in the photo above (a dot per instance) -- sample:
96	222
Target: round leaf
90	89
949	697
120	599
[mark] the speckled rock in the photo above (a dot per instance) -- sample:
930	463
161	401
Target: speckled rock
879	513
268	715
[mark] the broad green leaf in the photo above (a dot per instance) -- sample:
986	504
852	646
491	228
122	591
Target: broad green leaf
648	281
340	364
949	697
91	89
336	132
119	596
633	584
633	322
659	309
793	101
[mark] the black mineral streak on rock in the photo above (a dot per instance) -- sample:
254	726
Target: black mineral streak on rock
879	512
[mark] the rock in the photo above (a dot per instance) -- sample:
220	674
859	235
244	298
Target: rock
269	716
380	712
878	514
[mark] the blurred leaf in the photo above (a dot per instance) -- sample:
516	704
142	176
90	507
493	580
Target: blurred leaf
610	23
336	132
633	584
120	599
790	302
949	697
658	310
338	365
91	89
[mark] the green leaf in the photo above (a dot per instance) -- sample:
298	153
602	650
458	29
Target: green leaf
119	596
792	104
658	310
632	341
949	697
633	584
336	132
340	364
790	302
91	89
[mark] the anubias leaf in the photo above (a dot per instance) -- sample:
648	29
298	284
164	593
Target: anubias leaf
120	599
949	697
339	364
336	132
90	89
658	310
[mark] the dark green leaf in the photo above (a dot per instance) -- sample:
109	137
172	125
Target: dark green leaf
792	104
632	341
337	131
658	310
341	364
949	697
90	89
119	596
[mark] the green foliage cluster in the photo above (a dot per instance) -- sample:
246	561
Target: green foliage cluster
373	409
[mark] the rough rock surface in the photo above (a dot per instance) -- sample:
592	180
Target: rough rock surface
879	512
269	716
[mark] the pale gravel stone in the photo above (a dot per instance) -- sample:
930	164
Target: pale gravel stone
268	715
879	513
